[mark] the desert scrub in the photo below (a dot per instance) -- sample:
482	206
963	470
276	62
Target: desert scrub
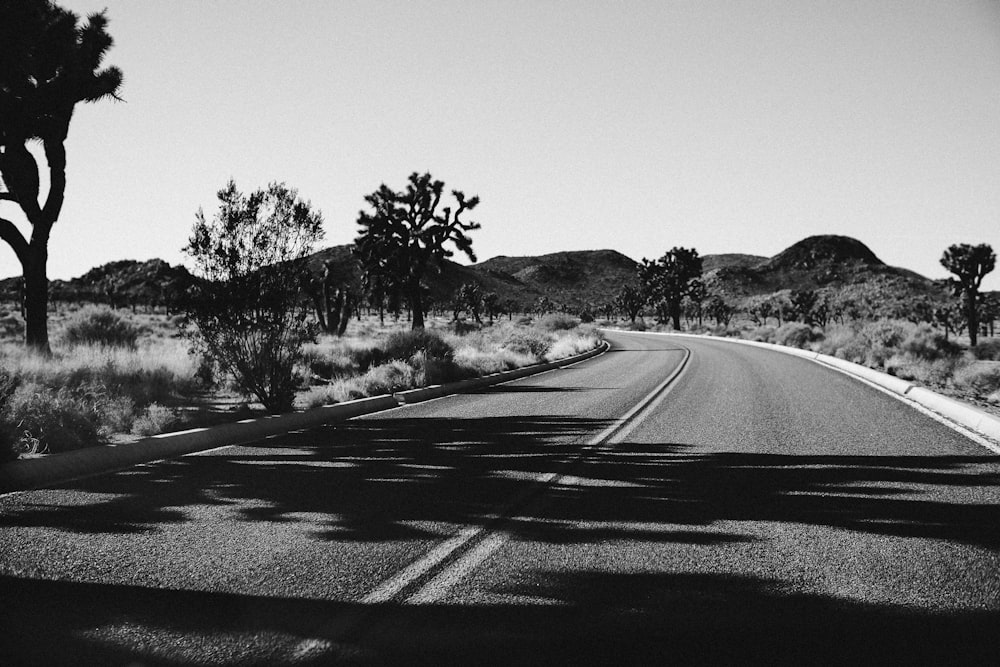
46	420
795	334
557	322
94	325
988	349
979	377
385	379
155	419
158	372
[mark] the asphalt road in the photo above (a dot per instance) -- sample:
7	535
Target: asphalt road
761	509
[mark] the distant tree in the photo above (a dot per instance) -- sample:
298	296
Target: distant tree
333	300
544	305
245	306
666	281
718	309
491	304
406	235
470	295
802	303
758	310
990	312
630	300
969	264
951	320
48	64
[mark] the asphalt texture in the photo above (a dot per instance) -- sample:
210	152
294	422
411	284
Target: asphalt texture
764	509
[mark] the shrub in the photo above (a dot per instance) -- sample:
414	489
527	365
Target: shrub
761	334
557	322
586	317
938	371
244	303
928	344
982	377
987	349
100	326
883	339
795	334
11	326
154	420
533	343
46	420
402	345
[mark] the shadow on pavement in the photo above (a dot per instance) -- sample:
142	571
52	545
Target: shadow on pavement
376	478
586	618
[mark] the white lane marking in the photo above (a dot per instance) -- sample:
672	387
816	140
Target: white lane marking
944	421
441	583
392	586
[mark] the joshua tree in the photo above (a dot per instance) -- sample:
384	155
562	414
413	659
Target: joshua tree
49	64
491	302
666	281
631	301
332	300
405	235
970	264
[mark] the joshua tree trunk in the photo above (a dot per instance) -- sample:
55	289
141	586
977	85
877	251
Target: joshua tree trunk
36	300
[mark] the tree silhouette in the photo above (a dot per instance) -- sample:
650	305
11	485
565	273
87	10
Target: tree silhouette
970	264
49	64
630	300
405	236
666	281
245	304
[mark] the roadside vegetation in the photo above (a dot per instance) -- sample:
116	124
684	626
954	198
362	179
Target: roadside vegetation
114	376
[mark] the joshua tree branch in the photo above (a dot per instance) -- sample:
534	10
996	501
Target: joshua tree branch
10	233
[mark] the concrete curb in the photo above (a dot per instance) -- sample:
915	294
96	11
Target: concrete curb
966	415
438	390
27	474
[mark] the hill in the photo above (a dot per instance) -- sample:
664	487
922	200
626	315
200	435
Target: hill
840	266
575	279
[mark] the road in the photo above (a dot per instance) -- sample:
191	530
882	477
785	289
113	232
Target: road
759	508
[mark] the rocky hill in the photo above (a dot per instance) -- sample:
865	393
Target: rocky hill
838	265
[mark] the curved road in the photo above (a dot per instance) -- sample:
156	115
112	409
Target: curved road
761	508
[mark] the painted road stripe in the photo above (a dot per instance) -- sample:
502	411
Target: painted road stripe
491	539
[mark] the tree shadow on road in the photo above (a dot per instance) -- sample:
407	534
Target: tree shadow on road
377	479
592	618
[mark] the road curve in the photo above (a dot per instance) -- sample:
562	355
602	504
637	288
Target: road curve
764	507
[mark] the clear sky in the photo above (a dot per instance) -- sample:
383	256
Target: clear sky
739	126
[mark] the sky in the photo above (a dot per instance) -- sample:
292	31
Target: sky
727	126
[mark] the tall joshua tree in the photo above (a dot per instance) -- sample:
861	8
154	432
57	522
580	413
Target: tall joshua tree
48	64
970	264
406	236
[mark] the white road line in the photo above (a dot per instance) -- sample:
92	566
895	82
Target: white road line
440	584
392	586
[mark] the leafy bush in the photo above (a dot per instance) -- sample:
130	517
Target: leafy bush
883	339
402	345
982	377
795	334
47	420
761	334
530	342
929	344
557	322
154	420
100	326
244	304
987	349
11	326
586	316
